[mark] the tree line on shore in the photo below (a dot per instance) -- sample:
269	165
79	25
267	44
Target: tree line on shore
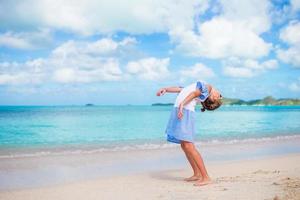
269	100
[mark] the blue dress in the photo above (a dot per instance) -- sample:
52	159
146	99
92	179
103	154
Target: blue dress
184	129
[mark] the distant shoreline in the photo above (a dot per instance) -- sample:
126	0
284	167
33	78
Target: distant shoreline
267	101
170	104
125	105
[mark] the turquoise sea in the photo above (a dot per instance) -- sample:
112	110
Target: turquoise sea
115	127
45	145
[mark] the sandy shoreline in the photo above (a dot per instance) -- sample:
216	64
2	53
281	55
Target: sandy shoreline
252	170
263	178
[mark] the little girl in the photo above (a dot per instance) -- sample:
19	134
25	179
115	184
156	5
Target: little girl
181	129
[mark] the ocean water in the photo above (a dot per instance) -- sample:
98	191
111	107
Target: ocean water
117	127
48	145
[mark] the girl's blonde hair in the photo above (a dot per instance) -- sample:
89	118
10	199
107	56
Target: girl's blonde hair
208	104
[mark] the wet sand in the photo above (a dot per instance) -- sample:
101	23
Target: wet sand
252	169
276	177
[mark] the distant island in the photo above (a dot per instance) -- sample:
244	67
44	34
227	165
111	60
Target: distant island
162	104
269	100
89	104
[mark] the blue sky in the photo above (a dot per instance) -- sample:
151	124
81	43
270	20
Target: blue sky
110	52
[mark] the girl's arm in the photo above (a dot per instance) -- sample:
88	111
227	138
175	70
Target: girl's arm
162	91
188	99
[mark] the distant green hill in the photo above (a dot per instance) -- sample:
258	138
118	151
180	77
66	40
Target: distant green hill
162	104
269	100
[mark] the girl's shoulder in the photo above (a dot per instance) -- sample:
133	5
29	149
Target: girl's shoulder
203	87
200	84
201	81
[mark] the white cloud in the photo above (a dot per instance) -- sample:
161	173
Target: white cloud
102	46
13	79
26	40
270	64
253	14
108	71
105	16
235	32
9	40
220	38
197	71
65	75
291	35
283	11
290	56
88	61
149	68
13	73
295	5
71	62
84	62
246	68
238	72
295	86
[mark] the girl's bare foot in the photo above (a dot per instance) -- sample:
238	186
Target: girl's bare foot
193	178
204	181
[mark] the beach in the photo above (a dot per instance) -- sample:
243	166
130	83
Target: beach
130	100
120	152
156	174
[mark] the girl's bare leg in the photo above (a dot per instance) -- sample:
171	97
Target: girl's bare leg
205	178
197	174
192	151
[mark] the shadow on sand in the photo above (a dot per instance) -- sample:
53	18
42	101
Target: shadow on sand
171	175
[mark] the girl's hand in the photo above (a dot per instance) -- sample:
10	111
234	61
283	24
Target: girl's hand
161	92
180	111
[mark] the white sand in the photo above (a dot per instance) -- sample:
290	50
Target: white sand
276	177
